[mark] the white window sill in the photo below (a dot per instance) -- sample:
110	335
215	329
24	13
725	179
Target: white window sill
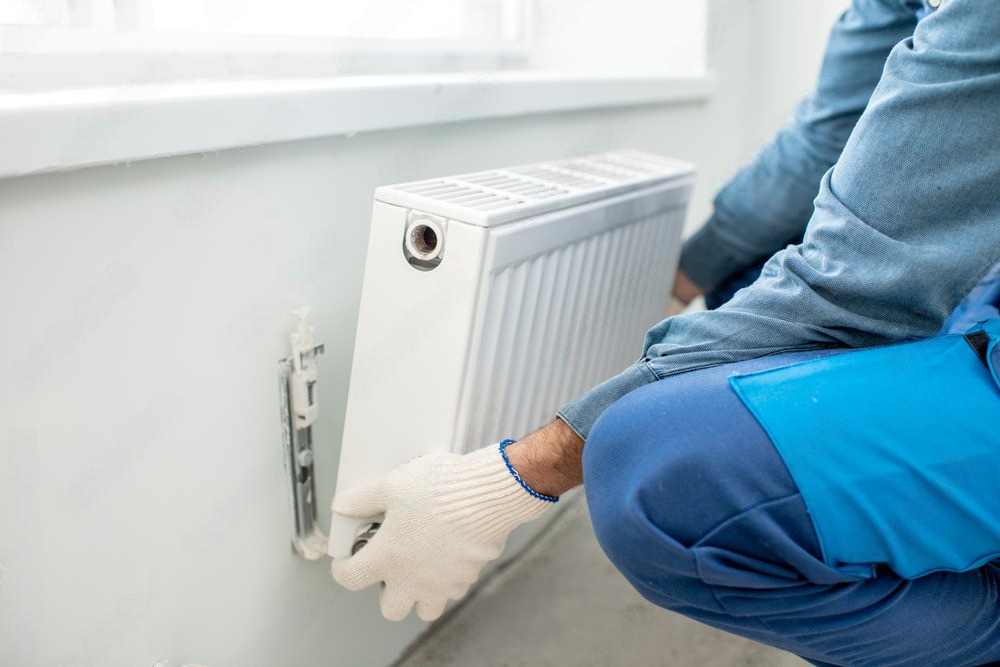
56	131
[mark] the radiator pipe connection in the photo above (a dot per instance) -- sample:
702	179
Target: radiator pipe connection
365	535
424	240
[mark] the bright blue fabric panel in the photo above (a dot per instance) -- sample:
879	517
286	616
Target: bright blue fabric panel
896	452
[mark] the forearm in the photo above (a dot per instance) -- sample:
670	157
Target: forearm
767	204
550	459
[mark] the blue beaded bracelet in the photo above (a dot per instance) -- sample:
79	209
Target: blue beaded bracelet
531	491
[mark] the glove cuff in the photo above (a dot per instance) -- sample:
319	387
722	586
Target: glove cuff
508	501
524	485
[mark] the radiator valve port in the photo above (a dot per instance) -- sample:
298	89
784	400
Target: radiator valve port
424	240
423	243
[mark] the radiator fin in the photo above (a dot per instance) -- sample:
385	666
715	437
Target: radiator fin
548	331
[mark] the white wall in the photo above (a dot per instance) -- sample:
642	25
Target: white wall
636	36
144	514
786	58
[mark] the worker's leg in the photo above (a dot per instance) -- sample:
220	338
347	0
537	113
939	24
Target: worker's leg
693	503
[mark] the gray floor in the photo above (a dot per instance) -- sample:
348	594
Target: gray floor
562	603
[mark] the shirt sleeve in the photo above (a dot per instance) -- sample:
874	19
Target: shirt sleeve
768	203
905	224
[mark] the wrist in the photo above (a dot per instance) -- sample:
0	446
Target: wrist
685	289
517	476
549	461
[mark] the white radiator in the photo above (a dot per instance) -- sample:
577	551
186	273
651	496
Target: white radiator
492	299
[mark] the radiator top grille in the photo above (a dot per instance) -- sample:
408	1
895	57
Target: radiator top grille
489	198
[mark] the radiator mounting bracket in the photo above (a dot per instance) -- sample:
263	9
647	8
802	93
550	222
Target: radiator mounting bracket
299	406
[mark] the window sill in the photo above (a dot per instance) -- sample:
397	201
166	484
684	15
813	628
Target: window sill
61	130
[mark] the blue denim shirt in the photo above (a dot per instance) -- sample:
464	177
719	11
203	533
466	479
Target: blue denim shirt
902	134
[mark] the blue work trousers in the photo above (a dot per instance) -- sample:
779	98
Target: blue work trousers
692	502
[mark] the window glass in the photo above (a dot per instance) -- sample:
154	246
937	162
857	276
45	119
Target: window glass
32	12
492	20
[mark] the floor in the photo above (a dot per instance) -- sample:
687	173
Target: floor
563	604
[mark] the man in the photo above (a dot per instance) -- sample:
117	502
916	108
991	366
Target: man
755	470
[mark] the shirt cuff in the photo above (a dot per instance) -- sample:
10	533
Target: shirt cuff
708	260
581	413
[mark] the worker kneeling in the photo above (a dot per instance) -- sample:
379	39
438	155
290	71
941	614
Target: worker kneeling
814	462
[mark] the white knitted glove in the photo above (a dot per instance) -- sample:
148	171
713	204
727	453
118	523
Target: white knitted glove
446	516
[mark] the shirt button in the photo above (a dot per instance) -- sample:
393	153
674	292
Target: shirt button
934	3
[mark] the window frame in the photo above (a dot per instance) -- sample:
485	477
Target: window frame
110	44
139	99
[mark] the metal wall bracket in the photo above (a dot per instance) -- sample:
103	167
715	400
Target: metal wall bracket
299	404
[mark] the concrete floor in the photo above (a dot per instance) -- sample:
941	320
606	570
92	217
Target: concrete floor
563	604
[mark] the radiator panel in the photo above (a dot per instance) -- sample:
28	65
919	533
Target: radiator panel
546	280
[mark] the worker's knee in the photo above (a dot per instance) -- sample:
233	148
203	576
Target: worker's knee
635	476
665	466
682	453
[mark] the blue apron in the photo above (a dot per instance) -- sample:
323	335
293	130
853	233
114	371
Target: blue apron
895	450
